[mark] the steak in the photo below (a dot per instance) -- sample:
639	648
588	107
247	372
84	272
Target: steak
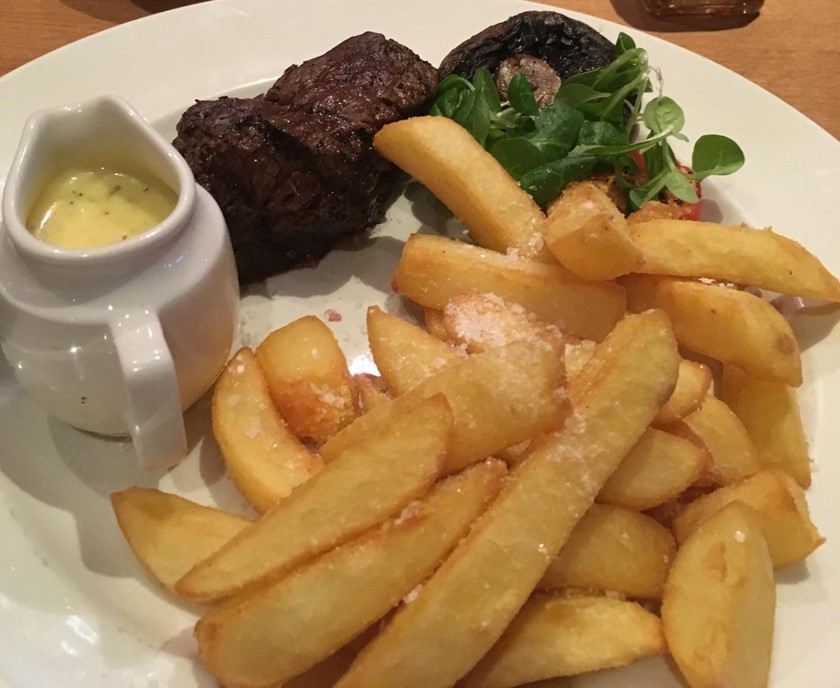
294	170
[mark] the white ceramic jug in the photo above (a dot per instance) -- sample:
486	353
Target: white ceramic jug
116	340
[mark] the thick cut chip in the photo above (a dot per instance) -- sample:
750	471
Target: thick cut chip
558	636
487	579
657	469
308	378
720	601
432	270
779	504
693	384
287	627
405	354
732	454
372	391
264	458
770	415
448	161
434	323
758	257
480	322
170	534
588	234
498	399
728	325
616	550
368	482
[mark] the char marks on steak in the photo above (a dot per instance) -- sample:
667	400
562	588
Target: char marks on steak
294	170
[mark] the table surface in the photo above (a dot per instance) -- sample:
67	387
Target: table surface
790	48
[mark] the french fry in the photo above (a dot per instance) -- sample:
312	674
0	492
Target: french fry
483	321
693	384
658	468
434	323
719	603
263	457
758	257
614	549
364	485
287	627
448	161
372	391
770	415
432	270
169	534
308	378
498	398
587	233
405	354
729	325
557	636
779	504
487	579
732	454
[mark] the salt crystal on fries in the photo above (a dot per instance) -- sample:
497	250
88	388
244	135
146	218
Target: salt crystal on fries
432	270
465	607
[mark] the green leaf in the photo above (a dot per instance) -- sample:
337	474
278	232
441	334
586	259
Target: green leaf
520	95
517	156
547	181
447	102
602	134
715	154
486	88
647	192
453	81
623	44
474	115
679	185
662	114
557	128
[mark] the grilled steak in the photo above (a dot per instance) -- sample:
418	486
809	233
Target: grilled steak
294	170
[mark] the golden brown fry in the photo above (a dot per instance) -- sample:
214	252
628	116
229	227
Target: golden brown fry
372	391
779	504
693	384
498	398
265	460
308	378
616	550
405	354
587	233
469	181
658	468
434	324
170	534
290	625
770	414
720	601
758	257
364	485
558	636
483	584
480	322
731	452
432	270
729	325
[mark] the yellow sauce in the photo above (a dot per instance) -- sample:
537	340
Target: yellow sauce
84	208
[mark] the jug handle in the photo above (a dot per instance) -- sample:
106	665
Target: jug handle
155	417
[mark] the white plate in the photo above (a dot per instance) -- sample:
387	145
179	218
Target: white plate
76	609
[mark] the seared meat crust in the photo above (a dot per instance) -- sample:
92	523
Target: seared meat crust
294	171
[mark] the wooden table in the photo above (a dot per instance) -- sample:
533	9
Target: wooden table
791	49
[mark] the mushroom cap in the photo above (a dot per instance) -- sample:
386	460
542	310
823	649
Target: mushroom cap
567	45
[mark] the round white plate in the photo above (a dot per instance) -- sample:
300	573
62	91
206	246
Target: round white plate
75	607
